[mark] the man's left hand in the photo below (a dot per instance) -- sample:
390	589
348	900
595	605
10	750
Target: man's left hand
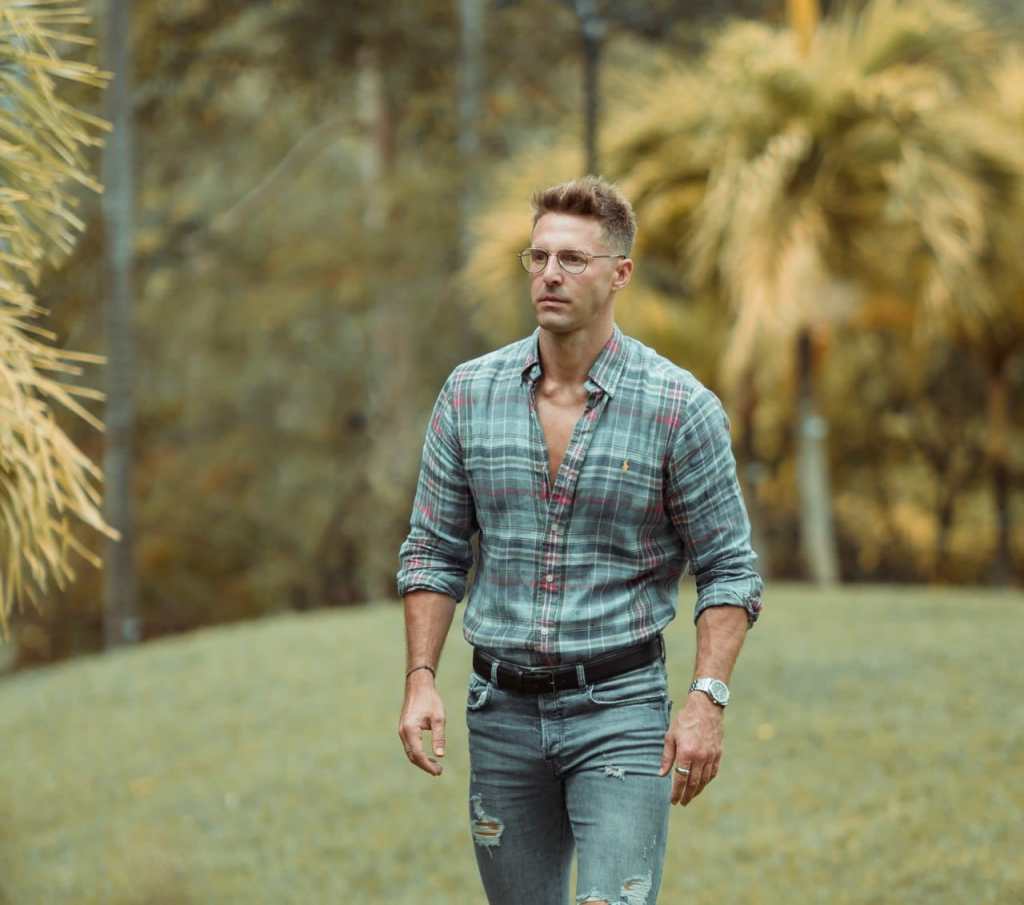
694	741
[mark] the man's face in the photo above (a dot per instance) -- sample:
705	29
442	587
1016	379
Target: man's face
567	302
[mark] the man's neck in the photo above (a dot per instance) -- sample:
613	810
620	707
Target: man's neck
566	358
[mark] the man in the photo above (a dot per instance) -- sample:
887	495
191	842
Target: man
595	472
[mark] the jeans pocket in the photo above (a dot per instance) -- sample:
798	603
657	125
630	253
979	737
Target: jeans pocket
478	693
646	685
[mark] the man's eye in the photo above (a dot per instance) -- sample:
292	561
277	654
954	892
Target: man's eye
572	258
538	257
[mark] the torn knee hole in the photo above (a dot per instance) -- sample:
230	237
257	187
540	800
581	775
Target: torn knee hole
487	829
636	889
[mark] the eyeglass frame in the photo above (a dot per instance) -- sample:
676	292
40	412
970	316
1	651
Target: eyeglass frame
547	257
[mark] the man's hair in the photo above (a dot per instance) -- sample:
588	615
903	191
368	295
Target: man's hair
594	197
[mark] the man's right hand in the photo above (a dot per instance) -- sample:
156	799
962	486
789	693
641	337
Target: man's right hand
422	710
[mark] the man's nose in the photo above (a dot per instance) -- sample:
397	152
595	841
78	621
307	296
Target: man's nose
552	270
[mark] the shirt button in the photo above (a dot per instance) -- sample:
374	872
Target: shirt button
545	631
549	578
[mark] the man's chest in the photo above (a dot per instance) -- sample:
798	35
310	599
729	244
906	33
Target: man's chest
602	461
558	420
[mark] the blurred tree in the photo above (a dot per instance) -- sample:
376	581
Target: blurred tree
790	185
289	351
45	477
265	296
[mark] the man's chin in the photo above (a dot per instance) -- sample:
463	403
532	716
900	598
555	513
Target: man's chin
550	315
551	321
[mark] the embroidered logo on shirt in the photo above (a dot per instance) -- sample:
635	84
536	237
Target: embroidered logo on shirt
625	464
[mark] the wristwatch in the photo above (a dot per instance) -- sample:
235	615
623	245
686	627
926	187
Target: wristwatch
715	689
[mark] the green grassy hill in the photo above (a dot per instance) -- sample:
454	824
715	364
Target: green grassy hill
874	754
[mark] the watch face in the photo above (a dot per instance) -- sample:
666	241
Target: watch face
719	691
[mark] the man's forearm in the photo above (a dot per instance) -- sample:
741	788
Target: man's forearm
720	634
428	616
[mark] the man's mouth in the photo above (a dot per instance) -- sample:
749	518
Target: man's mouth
553	298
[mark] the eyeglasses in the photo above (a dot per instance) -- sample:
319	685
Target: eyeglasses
535	260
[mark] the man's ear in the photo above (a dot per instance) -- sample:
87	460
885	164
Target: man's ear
623	273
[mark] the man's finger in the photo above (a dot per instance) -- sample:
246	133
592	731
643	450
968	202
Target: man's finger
668	755
680	782
698	779
414	751
437	733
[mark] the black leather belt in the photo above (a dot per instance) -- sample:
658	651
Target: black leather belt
534	680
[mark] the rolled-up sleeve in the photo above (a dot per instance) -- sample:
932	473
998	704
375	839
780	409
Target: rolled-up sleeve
705	504
436	554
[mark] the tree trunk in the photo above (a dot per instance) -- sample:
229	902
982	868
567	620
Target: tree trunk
752	472
803	19
946	511
120	622
999	459
817	540
471	60
373	111
386	325
593	28
470	81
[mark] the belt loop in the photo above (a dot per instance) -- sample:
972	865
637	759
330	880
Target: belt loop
581	676
494	672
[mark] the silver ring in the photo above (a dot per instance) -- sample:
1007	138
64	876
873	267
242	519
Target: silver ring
684	770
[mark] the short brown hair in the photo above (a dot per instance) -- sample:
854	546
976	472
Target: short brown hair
594	197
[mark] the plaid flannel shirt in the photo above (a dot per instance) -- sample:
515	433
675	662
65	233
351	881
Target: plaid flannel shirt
647	490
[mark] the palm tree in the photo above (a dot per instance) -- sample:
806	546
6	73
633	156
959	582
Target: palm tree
45	479
793	183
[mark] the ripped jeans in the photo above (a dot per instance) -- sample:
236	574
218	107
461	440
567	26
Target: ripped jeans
570	769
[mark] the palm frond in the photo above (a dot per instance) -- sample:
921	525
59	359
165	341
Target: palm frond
42	142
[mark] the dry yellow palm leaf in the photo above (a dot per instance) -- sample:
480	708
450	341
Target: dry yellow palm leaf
44	478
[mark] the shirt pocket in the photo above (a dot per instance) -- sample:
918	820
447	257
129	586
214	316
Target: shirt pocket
621	494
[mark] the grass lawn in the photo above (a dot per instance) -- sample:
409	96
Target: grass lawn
874	754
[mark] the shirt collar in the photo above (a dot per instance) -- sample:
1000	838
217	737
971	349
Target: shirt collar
604	373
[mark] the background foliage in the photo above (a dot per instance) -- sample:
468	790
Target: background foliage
302	294
43	144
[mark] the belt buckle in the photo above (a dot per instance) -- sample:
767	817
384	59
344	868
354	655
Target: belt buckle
545	677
